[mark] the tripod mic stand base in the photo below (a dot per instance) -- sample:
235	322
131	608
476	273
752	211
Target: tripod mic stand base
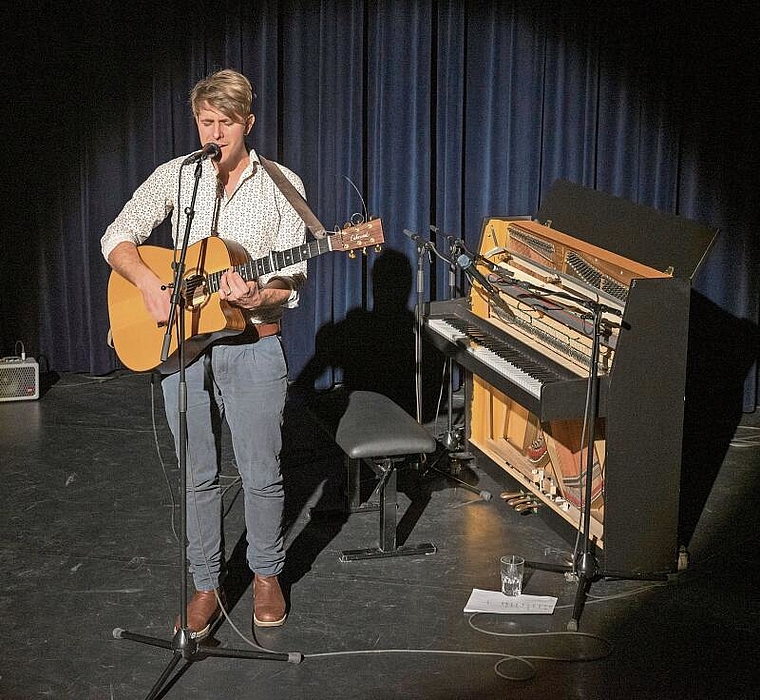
454	467
584	573
184	646
450	441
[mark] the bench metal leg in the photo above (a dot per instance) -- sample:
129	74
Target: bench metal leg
388	507
354	487
353	497
387	488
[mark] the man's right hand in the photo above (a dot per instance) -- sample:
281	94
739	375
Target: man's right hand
157	300
126	261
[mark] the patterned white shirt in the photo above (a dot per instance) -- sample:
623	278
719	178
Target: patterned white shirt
256	215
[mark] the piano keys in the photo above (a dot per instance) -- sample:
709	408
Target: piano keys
507	361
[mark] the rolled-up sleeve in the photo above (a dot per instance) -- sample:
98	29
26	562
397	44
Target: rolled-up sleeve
291	233
149	206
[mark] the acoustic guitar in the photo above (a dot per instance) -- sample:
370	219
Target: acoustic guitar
138	339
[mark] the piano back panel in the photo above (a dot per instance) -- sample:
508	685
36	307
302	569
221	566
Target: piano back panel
637	232
560	251
645	428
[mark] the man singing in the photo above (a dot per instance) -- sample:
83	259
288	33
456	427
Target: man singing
242	379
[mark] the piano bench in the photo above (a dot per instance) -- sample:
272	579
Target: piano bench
374	430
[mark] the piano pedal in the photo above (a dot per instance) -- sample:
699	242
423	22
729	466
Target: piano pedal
530	508
506	495
514	502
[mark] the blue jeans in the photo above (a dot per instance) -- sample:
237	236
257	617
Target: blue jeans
244	384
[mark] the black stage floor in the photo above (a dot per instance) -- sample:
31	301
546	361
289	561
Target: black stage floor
89	545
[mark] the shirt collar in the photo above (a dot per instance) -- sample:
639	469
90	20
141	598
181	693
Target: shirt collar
250	169
253	163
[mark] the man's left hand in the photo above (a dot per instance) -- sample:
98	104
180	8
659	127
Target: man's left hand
248	295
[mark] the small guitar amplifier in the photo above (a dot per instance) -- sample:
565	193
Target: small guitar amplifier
19	379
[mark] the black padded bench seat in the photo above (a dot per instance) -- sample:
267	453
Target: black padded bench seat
372	429
374	426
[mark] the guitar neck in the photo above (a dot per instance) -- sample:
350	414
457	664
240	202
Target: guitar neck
276	260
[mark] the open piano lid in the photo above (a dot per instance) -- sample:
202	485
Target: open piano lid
654	238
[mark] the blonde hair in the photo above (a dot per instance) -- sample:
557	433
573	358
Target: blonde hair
226	90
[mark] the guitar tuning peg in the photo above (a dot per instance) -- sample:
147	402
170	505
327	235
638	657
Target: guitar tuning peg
352	254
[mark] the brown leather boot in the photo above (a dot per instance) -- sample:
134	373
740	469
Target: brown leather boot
203	610
268	602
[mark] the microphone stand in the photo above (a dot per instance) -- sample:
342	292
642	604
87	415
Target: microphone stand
424	246
585	565
184	645
451	440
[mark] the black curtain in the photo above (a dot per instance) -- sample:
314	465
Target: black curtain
429	112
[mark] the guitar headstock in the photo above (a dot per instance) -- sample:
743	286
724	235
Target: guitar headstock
369	233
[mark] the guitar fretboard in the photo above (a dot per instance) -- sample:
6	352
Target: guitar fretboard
276	260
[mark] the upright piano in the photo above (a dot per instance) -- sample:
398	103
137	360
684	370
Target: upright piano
526	345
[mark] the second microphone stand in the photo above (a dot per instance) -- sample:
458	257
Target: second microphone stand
424	249
451	438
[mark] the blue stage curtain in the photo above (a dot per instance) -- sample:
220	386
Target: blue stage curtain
438	112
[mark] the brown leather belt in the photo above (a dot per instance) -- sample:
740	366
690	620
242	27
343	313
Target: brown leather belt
264	330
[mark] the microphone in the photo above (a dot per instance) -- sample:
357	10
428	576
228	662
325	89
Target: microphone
493	267
419	240
455	244
461	246
210	150
467	263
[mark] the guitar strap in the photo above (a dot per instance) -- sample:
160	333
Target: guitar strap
294	197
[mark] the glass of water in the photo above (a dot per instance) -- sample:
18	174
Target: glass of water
512	568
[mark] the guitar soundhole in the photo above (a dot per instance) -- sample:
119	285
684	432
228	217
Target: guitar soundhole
194	291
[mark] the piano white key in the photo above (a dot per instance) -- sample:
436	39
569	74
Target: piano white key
506	369
503	367
445	329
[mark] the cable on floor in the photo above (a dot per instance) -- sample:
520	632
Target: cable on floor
526	659
523	660
745	441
